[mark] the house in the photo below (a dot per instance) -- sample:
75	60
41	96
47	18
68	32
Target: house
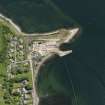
21	40
16	90
26	102
27	97
24	90
25	82
11	50
21	46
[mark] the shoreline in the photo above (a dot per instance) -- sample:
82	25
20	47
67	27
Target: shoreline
73	32
18	30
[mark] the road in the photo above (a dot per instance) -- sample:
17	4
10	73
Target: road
34	94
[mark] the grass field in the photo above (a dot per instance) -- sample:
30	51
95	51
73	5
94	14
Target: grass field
2	45
4	35
2	76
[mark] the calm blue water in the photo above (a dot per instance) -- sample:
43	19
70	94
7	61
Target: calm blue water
82	74
84	70
87	63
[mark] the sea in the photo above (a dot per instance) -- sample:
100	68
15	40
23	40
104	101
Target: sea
86	64
83	71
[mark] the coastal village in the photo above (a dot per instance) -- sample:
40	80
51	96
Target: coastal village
19	72
26	52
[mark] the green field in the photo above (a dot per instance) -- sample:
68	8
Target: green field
4	36
2	76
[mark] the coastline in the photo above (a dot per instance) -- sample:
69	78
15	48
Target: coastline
17	31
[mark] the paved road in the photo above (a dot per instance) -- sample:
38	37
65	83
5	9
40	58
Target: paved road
34	94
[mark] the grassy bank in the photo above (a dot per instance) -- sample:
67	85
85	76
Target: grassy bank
4	36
